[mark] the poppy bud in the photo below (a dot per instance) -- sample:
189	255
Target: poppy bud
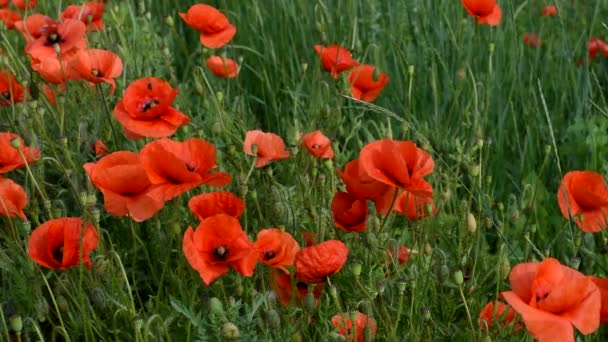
487	222
458	278
57	212
42	309
304	67
62	303
474	170
492	47
198	87
274	319
401	285
216	307
333	292
547	149
98	298
25	228
446	195
16	143
46	204
16	323
514	216
428	250
96	214
169	21
426	313
410	70
533	228
578	241
309	301
505	268
356	268
220	97
100	266
471	223
83	196
501	206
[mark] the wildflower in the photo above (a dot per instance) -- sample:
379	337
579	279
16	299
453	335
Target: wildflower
344	324
335	59
219	242
25	4
349	212
402	252
318	145
68	35
315	263
33	26
496	311
280	282
9	18
583	195
13	199
96	66
145	109
222	67
216	31
270	147
360	185
551	298
413	206
364	86
276	248
484	11
90	14
11	91
10	158
596	45
100	148
532	40
602	285
58	243
550	11
220	202
126	189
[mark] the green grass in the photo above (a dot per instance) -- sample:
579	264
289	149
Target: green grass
503	122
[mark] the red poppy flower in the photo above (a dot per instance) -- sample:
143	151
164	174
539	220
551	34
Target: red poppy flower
496	311
414	207
280	282
270	147
181	166
344	325
25	4
550	11
216	31
484	11
276	248
532	40
318	145
399	164
363	85
145	109
49	93
90	14
221	202
596	45
335	59
3	3
57	243
602	285
13	199
10	158
403	254
360	185
551	298
219	242
53	69
10	90
349	212
34	25
315	263
69	35
96	66
222	67
9	18
126	189
100	148
583	195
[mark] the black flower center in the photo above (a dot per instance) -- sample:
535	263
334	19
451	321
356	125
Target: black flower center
6	95
58	254
150	104
269	255
97	73
316	146
221	252
53	38
190	167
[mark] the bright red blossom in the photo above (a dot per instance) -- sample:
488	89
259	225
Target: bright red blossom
33	27
216	31
222	67
550	11
335	59
25	4
276	248
219	242
364	85
13	199
9	18
532	40
318	145
220	202
496	311
583	195
90	14
57	243
315	263
11	91
269	146
349	212
96	66
10	158
484	11
69	35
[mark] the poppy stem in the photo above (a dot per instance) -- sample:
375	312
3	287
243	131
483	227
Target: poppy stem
107	111
466	308
389	210
29	172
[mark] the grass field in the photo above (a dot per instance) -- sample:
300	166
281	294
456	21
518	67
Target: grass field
503	122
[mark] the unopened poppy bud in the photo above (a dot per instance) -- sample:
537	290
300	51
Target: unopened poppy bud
220	97
514	216
253	194
578	241
471	223
314	172
41	308
426	313
16	143
501	206
216	307
304	67
57	212
474	170
16	323
547	149
329	165
410	70
309	301
169	21
356	268
98	298
25	228
139	323
505	268
575	262
480	142
458	278
100	266
46	204
428	250
198	87
269	171
83	196
274	319
333	292
487	222
492	47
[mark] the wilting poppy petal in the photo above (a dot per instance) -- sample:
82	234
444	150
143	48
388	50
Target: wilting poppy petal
335	59
583	195
318	145
56	244
221	202
315	263
222	67
344	325
13	199
349	212
269	146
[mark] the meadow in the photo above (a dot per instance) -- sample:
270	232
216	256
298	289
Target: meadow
142	197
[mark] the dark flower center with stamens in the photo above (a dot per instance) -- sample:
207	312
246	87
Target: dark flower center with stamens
269	255
6	95
221	252
316	146
53	38
190	168
149	105
302	286
97	73
58	254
